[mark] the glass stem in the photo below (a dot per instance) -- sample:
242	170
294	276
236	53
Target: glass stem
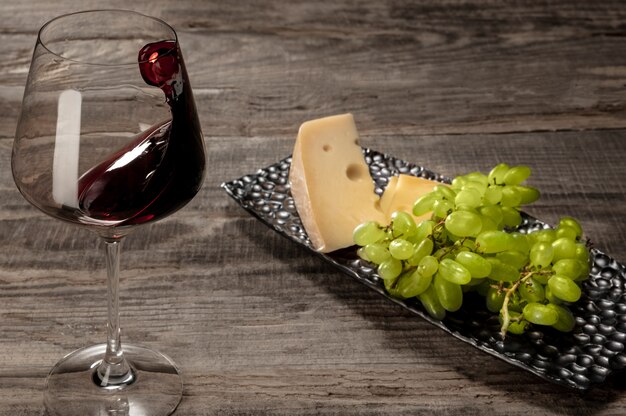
114	371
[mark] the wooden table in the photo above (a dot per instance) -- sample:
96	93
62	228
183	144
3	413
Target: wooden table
258	325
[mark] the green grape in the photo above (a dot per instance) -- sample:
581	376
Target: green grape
466	208
377	252
571	268
582	254
428	266
584	273
431	304
449	294
412	284
546	236
539	314
494	299
477	186
528	194
517	327
457	240
367	233
511	217
412	239
513	258
531	238
477	177
390	286
520	243
441	207
424	204
497	174
564	288
493	242
483	287
571	222
463	223
566	321
401	249
390	269
488	224
516	175
424	229
403	224
532	291
502	272
454	272
474	263
362	254
445	192
550	297
543	276
469	197
469	244
510	197
492	211
541	254
564	248
565	231
458	183
423	249
493	194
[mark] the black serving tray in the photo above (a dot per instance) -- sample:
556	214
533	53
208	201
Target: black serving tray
580	359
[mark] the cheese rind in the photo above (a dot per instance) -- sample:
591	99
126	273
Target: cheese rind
330	182
401	194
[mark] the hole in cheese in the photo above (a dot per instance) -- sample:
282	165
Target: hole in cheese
355	172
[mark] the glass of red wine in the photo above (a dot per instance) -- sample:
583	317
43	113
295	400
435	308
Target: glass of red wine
109	139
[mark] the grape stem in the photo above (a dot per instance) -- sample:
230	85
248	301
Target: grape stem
506	318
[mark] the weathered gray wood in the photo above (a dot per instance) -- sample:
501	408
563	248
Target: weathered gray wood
258	325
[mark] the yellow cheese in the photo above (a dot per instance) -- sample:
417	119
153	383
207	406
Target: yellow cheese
401	193
390	190
330	182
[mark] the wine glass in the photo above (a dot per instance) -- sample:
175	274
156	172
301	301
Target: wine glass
109	139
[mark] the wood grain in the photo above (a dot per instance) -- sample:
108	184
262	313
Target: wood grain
259	326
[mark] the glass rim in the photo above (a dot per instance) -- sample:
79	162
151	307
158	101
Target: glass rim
55	19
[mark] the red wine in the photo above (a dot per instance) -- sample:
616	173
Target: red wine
162	168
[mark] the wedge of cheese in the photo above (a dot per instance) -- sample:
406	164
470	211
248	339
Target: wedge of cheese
388	194
330	182
401	193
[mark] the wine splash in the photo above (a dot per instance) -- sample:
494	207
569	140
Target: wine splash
161	169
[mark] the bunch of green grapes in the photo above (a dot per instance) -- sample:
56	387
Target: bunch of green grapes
470	244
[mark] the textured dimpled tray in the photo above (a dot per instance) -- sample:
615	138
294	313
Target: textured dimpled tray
581	359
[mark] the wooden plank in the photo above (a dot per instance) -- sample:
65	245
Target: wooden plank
539	69
280	324
258	325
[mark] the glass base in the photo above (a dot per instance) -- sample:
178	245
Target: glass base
155	389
